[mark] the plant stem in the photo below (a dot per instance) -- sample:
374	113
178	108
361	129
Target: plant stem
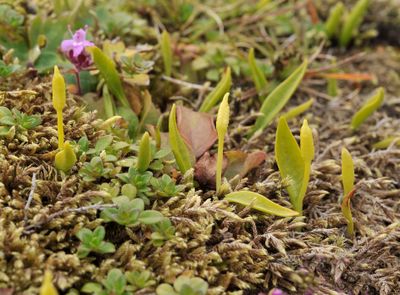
78	81
220	158
60	129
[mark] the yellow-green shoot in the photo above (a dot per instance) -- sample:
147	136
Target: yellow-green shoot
278	98
294	161
222	127
144	154
368	108
59	100
219	91
348	188
47	287
65	159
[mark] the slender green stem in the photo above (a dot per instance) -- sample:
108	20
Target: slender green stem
60	129
220	158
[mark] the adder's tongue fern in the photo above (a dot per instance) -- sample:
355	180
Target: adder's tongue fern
65	159
58	87
222	127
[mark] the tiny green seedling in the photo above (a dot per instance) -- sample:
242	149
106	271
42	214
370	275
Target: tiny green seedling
257	75
115	284
277	99
166	52
92	241
144	154
294	161
162	231
368	108
348	189
164	186
184	285
130	213
222	127
183	156
219	91
332	24
141	181
139	280
353	21
13	120
260	203
65	159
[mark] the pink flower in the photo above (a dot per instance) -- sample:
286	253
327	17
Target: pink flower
74	49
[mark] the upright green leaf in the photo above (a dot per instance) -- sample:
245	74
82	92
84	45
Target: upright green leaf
347	172
144	154
183	156
368	108
219	91
257	75
333	21
277	99
307	151
166	52
294	112
108	71
352	22
259	202
290	161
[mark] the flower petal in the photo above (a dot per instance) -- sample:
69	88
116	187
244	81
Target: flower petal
80	36
67	45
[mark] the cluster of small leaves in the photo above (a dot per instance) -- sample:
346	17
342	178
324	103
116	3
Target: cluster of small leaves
131	213
92	241
164	186
105	154
184	286
118	283
12	121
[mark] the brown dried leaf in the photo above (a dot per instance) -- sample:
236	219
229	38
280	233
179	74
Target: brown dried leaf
241	163
6	291
197	129
205	169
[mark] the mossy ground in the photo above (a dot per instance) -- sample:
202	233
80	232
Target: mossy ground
236	250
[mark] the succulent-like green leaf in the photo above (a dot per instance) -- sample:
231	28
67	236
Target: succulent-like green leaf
260	203
219	91
144	154
108	71
183	156
368	108
294	112
333	22
257	75
277	99
352	22
290	162
166	52
347	172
